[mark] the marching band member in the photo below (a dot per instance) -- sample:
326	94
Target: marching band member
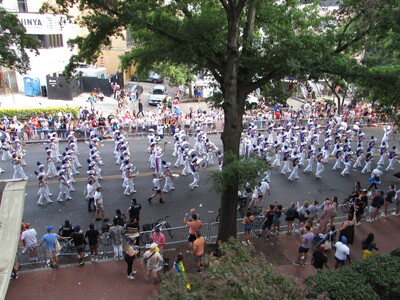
168	186
194	168
17	164
128	181
368	161
295	163
320	164
392	156
6	147
43	189
348	159
64	186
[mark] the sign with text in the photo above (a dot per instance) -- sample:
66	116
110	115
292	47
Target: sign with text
41	24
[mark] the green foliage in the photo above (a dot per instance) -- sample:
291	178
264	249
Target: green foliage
14	42
26	113
373	278
241	170
274	93
395	252
238	274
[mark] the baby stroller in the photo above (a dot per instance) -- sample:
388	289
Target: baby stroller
327	239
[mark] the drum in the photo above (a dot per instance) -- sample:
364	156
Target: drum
185	145
202	163
192	153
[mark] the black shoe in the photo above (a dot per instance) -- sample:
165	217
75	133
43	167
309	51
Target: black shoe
149	200
162	201
90	210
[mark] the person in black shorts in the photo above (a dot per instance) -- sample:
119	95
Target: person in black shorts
268	220
79	242
92	235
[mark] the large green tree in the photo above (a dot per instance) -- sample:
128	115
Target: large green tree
15	42
245	44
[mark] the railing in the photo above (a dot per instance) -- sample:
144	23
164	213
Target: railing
36	256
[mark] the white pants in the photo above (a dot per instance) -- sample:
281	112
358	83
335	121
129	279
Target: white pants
295	173
117	250
63	190
309	166
168	184
277	160
130	187
320	169
357	164
196	178
43	194
382	159
6	155
210	158
367	167
51	169
338	164
346	169
285	168
18	170
390	165
186	168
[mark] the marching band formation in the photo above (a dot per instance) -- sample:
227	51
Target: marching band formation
312	146
289	148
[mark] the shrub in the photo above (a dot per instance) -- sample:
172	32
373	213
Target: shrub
238	274
26	113
373	278
340	284
395	252
381	272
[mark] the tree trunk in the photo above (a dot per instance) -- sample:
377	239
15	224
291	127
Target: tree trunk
233	109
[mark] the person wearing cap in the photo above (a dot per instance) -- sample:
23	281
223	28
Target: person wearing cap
64	187
319	258
168	186
43	191
194	170
128	181
79	242
159	238
29	238
17	164
342	253
50	240
152	260
264	188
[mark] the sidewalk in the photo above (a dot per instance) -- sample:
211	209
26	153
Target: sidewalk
282	250
105	280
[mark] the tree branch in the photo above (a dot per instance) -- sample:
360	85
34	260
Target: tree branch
345	29
225	5
239	6
256	84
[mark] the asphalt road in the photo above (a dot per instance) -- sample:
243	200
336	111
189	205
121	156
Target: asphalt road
179	201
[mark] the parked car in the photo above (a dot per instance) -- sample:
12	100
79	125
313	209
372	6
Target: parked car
158	94
137	89
152	77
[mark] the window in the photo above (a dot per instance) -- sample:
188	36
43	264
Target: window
50	40
22	6
129	40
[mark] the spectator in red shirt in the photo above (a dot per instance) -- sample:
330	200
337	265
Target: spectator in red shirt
159	238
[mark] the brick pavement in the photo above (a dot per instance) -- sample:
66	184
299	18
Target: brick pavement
107	280
100	281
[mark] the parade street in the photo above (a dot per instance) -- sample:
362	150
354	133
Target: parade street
178	201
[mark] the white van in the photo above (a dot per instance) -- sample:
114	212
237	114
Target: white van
158	94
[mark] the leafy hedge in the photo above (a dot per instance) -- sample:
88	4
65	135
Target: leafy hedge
26	113
373	278
239	273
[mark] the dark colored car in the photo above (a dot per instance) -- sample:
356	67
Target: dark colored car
137	89
152	77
